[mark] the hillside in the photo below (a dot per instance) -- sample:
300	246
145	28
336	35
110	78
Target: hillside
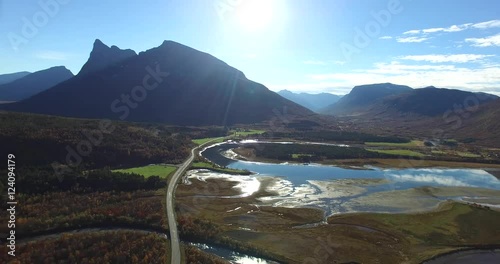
185	87
313	102
362	97
33	83
430	101
482	125
459	115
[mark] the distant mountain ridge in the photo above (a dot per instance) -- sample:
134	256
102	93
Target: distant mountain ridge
432	101
103	56
394	100
10	77
172	84
362	96
314	102
34	83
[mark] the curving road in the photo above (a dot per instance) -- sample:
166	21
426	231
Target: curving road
172	223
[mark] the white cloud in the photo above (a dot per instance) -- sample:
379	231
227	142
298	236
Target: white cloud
485	78
385	37
411	40
455	58
412	32
455	28
487	24
53	55
429	178
485	42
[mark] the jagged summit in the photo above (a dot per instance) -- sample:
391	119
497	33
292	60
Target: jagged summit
103	56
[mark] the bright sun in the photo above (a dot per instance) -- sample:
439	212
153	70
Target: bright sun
258	15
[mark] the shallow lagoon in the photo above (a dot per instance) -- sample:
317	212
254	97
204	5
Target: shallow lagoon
338	190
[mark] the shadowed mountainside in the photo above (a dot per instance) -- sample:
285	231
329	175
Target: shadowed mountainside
185	87
34	83
362	97
103	56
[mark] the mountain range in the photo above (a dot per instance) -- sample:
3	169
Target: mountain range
10	77
33	83
362	96
391	100
172	84
175	84
313	102
430	112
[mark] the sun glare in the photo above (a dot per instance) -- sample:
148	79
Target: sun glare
259	15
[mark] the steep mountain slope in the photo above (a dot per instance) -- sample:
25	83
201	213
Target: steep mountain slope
171	84
429	101
314	102
103	56
482	125
362	97
434	114
10	77
34	83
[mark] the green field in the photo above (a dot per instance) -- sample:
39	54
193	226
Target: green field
247	132
233	133
398	152
152	170
297	156
413	143
467	154
201	141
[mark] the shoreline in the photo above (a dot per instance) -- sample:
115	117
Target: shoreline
382	163
478	248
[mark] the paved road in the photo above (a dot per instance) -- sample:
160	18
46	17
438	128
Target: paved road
172	223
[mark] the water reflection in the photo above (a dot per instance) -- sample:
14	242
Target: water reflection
246	185
338	190
232	256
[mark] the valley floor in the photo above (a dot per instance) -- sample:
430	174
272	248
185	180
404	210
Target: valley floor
299	235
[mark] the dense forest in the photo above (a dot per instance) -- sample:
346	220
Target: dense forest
39	180
307	153
64	182
42	140
94	247
61	211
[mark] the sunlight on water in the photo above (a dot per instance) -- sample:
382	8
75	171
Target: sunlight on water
369	189
246	185
231	256
249	260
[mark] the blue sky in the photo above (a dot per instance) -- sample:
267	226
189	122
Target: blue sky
304	46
